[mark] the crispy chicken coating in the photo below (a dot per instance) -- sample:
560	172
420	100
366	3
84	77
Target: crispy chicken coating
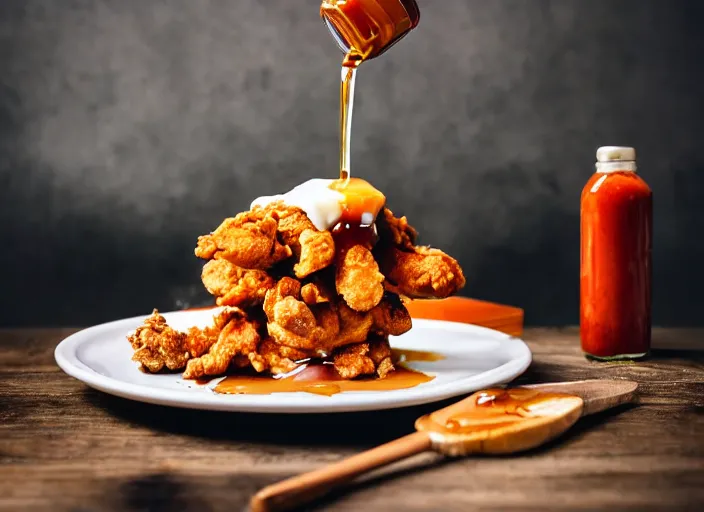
358	279
156	345
317	292
264	236
354	326
290	295
292	223
292	323
233	341
318	328
323	327
235	286
239	336
198	341
391	317
248	240
423	273
276	358
410	270
317	252
371	357
314	250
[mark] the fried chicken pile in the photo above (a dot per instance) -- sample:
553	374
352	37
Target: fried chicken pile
291	293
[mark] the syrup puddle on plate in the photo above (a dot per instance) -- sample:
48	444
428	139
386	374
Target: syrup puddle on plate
400	355
321	379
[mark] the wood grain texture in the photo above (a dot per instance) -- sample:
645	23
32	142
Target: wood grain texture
66	447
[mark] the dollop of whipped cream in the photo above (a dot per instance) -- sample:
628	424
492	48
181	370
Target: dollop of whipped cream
322	204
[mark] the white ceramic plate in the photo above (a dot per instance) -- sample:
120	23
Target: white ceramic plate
475	358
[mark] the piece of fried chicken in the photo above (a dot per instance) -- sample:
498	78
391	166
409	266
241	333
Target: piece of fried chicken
367	358
314	250
358	279
410	270
371	357
157	345
320	328
423	273
277	359
272	323
235	286
238	336
264	236
248	240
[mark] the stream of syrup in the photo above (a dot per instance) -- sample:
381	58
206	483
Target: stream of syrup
363	29
346	108
328	383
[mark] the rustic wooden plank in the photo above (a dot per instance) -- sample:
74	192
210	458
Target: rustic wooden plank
66	447
30	348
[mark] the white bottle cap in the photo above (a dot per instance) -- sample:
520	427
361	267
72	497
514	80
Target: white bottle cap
615	154
615	159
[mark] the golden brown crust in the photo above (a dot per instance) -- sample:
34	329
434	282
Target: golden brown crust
264	236
199	341
292	223
238	336
423	273
316	292
289	295
410	270
317	252
158	346
358	279
324	327
314	250
233	341
235	286
248	240
275	358
391	317
371	357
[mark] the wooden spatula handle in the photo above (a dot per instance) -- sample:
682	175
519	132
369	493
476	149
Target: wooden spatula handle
304	488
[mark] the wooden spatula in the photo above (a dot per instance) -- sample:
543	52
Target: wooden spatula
490	421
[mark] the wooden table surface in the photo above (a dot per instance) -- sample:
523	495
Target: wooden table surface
64	446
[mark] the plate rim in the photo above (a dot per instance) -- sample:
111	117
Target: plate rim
66	357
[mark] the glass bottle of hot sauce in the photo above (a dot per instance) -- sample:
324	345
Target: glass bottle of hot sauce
616	242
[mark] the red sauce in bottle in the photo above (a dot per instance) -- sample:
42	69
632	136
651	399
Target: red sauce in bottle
616	242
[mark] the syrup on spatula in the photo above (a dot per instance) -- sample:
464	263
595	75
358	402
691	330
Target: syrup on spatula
489	421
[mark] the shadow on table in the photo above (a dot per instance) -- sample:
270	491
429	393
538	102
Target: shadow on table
668	354
339	429
361	430
357	429
582	427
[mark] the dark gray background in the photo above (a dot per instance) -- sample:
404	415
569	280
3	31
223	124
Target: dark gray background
129	127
